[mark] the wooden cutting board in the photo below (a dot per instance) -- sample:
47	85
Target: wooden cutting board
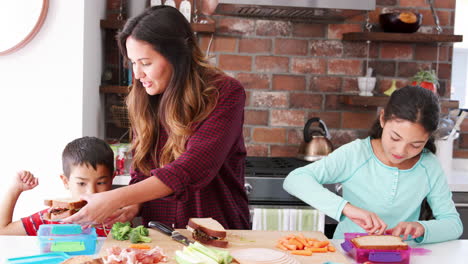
237	239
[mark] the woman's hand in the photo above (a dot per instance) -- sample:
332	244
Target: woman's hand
124	214
369	221
414	229
100	207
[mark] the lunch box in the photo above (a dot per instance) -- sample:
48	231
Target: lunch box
69	238
376	256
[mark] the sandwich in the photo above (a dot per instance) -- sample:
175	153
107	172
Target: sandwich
386	242
62	208
208	231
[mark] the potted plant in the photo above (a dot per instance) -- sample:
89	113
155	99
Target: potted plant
426	79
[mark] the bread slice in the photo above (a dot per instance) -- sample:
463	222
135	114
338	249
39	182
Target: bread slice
68	203
208	231
386	242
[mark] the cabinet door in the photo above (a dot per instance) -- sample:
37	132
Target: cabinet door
461	203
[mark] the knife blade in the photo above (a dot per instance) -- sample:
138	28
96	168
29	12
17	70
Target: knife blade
175	235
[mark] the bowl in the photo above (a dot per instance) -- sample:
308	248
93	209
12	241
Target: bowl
400	22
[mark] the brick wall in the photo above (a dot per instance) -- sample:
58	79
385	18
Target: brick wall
293	71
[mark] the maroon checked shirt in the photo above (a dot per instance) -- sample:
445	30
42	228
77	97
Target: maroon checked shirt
208	178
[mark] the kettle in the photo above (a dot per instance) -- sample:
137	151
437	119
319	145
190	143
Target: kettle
316	143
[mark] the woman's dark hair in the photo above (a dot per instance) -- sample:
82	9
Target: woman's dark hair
90	151
414	104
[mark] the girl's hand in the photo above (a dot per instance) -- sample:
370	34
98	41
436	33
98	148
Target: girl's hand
123	215
25	180
369	221
414	229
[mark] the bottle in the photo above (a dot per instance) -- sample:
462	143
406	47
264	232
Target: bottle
186	9
155	2
169	3
121	161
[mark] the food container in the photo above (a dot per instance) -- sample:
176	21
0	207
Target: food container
400	22
69	238
376	256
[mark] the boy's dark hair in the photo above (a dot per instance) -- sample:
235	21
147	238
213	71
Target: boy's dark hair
87	150
415	104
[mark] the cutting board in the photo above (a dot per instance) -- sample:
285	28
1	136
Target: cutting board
237	239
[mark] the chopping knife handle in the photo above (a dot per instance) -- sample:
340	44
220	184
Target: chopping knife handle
161	227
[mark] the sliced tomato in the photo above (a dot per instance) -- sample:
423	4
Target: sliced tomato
428	85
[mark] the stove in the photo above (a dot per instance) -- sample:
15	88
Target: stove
264	178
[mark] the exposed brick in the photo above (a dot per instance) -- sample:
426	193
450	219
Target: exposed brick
235	26
345	67
269	135
358	49
386	2
257	150
332	102
290	46
331	119
269	99
246	133
409	69
450	4
289	82
361	120
341	137
460	153
256	117
255	45
273	28
382	68
396	51
429	53
287	117
444	17
235	62
295	136
414	3
374	15
464	125
329	48
283	151
463	141
335	31
350	85
445	70
308	65
271	64
248	96
385	84
305	100
220	44
308	30
325	84
254	81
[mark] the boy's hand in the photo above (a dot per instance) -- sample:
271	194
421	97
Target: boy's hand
414	229
369	221
25	180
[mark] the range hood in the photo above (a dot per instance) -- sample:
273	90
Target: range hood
308	10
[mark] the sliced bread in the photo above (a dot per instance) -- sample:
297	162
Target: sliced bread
386	242
208	225
68	203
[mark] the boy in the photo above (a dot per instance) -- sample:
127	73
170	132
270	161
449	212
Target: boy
88	167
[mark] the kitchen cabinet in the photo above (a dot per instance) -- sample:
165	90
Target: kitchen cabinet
461	203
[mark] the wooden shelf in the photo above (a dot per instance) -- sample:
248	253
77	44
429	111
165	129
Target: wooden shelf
401	37
113	89
208	27
375	101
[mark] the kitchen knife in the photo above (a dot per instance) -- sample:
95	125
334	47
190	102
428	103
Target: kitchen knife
170	232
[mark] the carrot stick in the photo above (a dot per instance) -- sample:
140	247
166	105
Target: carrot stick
321	250
302	240
331	248
294	241
139	246
280	246
321	244
290	247
301	252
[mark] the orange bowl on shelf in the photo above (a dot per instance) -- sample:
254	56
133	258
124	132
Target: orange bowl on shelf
400	22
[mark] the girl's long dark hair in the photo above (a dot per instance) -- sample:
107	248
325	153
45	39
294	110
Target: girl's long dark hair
415	104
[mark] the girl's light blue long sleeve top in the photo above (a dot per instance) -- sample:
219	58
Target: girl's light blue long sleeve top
394	195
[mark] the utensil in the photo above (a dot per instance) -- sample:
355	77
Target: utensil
461	116
316	143
175	235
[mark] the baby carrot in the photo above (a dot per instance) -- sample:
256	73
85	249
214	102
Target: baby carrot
302	252
139	246
280	246
321	250
331	248
294	241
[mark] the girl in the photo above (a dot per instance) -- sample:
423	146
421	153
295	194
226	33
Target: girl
385	177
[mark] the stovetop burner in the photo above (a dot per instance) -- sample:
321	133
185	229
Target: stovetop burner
272	166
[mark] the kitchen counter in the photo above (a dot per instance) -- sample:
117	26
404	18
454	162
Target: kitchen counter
452	252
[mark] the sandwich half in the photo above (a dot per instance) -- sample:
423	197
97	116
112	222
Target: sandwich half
208	231
386	242
62	208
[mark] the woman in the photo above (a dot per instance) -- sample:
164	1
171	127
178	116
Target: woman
187	118
386	176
